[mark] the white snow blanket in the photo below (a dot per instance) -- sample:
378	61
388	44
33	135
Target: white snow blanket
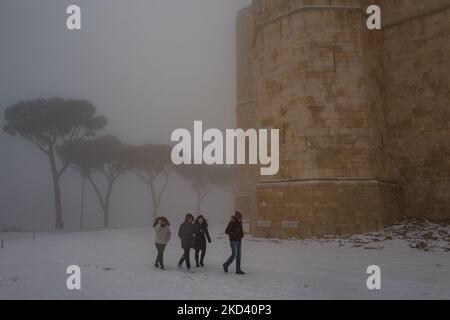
118	264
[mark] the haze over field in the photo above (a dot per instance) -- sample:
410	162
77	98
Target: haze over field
149	68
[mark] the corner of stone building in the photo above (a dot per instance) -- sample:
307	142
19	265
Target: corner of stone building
347	154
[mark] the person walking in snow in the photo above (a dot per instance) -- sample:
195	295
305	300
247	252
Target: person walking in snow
162	237
186	235
201	234
235	233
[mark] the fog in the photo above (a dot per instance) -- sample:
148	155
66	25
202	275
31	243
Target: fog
149	66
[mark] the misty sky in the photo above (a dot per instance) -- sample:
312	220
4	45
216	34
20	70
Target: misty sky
149	66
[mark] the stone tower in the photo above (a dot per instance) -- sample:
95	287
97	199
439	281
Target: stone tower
364	116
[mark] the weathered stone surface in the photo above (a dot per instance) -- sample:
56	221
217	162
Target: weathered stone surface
327	206
372	107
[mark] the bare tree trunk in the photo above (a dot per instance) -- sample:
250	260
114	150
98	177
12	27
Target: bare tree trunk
155	211
106	204
201	194
155	203
106	216
149	180
59	221
103	203
82	202
199	203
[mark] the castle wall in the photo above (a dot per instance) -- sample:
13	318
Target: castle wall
247	113
417	76
313	85
350	139
342	206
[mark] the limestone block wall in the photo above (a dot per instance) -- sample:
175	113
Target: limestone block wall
247	113
310	71
340	206
363	115
416	44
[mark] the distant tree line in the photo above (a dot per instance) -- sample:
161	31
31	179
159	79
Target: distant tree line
67	132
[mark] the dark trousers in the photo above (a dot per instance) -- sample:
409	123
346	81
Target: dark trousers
235	254
185	256
160	257
202	255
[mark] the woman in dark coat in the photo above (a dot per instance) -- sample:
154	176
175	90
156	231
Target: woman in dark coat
201	234
186	235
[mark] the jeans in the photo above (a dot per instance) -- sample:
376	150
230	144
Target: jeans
186	257
235	254
160	257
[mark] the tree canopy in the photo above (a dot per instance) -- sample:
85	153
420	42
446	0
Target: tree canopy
48	123
45	121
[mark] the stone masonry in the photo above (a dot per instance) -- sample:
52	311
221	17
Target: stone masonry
364	116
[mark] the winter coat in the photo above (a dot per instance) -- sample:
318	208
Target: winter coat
186	235
201	234
234	230
162	234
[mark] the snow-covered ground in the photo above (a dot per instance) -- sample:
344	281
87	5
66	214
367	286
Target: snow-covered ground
118	264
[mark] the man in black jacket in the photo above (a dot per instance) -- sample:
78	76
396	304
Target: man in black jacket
235	233
186	235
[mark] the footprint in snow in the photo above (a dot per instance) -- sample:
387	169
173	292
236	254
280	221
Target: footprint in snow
108	269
